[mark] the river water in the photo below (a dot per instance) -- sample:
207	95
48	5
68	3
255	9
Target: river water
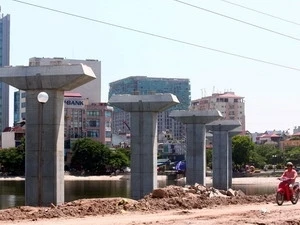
12	191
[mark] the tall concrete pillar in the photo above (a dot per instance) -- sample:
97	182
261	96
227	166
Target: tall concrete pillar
143	128
196	141
44	153
231	134
220	161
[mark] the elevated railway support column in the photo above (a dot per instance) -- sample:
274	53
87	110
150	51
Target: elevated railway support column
143	128
44	151
196	141
220	160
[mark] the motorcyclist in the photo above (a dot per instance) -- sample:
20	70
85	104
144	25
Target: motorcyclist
290	173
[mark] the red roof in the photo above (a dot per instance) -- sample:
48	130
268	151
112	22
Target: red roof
229	95
269	135
72	94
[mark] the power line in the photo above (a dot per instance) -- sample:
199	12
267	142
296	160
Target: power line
238	20
266	14
159	36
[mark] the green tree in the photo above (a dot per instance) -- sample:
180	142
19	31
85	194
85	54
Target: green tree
241	147
22	145
12	161
125	151
293	155
265	150
90	156
118	159
257	160
209	157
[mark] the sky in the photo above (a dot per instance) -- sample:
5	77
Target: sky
250	47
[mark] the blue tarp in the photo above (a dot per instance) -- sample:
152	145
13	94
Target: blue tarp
180	166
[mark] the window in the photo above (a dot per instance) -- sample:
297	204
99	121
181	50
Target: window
93	113
93	123
23	115
108	134
107	113
107	124
92	133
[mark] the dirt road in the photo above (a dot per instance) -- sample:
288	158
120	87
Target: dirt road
263	214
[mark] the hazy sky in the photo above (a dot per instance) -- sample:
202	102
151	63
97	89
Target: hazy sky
197	36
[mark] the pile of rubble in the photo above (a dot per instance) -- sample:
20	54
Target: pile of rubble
171	197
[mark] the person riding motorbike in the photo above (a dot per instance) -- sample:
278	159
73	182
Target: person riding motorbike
290	173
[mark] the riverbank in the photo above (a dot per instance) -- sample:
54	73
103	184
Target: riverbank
235	180
169	205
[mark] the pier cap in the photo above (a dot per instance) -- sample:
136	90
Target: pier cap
235	131
223	125
146	103
196	116
62	77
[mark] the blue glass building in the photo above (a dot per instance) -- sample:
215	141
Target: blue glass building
147	85
4	61
17	101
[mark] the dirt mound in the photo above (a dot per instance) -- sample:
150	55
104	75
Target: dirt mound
170	197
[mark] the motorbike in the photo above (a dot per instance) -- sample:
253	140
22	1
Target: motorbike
284	192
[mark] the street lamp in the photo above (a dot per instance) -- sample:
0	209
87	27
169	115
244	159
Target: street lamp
42	99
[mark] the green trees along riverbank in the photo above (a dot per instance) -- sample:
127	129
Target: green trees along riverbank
94	158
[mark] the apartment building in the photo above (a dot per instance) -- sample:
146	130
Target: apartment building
229	104
83	119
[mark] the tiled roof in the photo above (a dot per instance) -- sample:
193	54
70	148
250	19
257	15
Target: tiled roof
296	134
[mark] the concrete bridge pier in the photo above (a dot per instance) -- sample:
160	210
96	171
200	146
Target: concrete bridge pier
44	153
220	160
143	127
196	141
44	168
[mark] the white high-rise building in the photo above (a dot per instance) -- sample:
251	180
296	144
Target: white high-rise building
90	90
